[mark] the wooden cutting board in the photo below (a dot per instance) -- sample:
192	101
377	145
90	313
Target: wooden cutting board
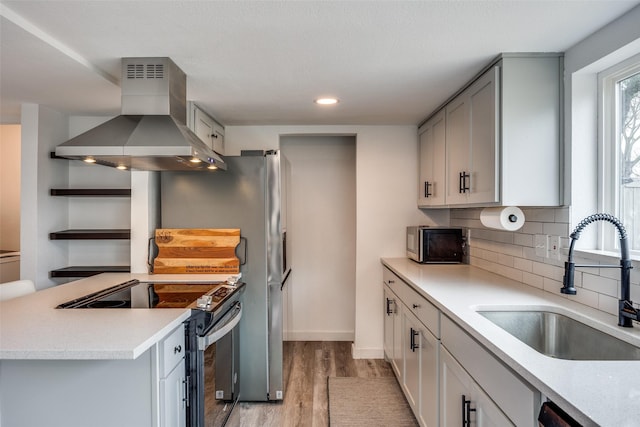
197	250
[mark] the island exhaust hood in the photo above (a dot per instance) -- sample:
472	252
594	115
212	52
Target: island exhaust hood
151	133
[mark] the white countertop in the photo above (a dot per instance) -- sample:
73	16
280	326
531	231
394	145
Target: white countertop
32	328
605	393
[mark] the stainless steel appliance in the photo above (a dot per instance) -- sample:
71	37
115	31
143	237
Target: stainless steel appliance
151	133
436	244
211	337
252	196
551	415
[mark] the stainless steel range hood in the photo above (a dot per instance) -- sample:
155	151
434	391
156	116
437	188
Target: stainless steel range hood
151	134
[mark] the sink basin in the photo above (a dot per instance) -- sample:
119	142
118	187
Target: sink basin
559	336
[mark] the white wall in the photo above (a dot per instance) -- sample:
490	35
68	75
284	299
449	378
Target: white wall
96	212
145	217
322	227
613	43
10	187
42	129
512	254
386	173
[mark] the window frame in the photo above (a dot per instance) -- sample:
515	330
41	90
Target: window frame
608	192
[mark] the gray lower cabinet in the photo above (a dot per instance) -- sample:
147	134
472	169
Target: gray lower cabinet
147	391
514	397
447	377
421	375
414	354
392	332
462	401
172	399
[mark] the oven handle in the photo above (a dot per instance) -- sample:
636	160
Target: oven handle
229	321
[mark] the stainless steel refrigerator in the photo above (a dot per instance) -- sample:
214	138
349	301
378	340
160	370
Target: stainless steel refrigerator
251	195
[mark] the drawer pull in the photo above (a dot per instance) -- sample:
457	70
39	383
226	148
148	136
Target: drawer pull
391	281
177	349
416	306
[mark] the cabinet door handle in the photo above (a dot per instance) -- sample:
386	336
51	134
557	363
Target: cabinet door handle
389	310
412	338
177	349
463	185
391	281
427	186
466	411
416	306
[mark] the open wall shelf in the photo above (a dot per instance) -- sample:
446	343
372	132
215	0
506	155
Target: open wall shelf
86	271
91	192
87	191
92	234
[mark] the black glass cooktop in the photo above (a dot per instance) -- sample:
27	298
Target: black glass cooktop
134	294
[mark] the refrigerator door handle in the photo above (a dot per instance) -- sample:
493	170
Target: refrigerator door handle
243	242
151	253
285	279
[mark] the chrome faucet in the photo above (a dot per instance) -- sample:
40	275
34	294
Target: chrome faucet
626	312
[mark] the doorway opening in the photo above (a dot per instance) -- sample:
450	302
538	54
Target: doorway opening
320	300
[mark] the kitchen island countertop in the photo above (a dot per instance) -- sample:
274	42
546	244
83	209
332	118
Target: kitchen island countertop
604	393
32	328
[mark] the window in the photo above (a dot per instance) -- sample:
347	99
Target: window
620	151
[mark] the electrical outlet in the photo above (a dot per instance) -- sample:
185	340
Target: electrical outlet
541	245
554	247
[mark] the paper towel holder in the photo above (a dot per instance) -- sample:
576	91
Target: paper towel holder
508	218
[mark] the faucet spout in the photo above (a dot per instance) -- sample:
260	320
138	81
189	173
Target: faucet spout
626	312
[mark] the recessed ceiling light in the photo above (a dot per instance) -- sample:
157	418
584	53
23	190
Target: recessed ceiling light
195	160
212	167
326	101
89	160
121	167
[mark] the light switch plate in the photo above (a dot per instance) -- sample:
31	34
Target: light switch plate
554	247
541	245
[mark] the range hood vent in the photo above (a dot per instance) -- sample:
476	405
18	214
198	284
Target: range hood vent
151	133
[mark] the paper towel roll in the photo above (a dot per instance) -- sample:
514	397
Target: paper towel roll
509	218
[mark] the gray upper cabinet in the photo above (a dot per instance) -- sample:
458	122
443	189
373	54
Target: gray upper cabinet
502	137
207	128
431	186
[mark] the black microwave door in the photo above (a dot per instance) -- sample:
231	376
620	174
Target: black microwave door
443	247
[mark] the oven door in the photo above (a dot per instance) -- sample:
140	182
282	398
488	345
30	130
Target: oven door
214	371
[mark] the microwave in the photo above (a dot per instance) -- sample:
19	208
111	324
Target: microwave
435	245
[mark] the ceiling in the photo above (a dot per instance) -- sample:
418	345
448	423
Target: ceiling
264	62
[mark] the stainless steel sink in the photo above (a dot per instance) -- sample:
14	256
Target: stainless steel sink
562	337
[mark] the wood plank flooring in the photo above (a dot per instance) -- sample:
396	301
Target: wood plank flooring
306	368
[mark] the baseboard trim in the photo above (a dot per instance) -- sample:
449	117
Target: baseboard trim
366	353
318	336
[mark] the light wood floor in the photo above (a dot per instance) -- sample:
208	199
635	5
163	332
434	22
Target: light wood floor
306	368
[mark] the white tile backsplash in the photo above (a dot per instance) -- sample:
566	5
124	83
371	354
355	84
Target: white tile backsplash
600	284
512	254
